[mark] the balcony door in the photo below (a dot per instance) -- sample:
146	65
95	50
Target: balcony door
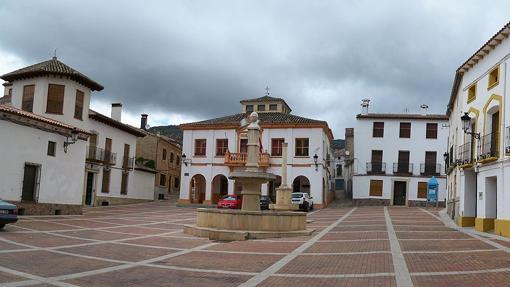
430	162
495	134
403	162
377	158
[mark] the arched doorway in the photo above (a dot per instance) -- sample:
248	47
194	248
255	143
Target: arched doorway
219	187
301	184
272	186
197	189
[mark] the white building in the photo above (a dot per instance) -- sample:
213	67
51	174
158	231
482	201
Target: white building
213	148
479	151
395	155
87	174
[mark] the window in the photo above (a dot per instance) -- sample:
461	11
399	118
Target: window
125	160
164	154
78	105
261	107
273	107
376	187
302	147
178	161
249	108
55	102
378	130
422	190
431	131
52	148
493	77
8	97
243	146
162	180
200	146
176	182
28	98
377	159
276	146
471	93
221	147
105	186
338	170
405	130
171	157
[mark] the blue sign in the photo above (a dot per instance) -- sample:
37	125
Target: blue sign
432	190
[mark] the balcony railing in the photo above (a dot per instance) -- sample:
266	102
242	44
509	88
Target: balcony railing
376	167
239	159
465	154
430	169
507	141
403	168
128	163
488	146
99	155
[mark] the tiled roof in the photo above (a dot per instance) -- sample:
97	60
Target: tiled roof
52	67
14	111
116	124
265	118
403	116
262	99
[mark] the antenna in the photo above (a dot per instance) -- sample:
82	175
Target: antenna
55	54
267	91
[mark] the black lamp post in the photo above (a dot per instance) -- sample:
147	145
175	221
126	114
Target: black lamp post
466	126
185	160
72	139
316	161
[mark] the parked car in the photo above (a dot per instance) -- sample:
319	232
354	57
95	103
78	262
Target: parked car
265	201
232	201
8	213
304	200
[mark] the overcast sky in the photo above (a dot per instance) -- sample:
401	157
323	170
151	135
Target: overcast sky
182	61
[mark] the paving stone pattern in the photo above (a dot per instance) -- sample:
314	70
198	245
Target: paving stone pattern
144	245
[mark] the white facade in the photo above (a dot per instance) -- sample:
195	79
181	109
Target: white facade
399	179
201	176
64	178
479	173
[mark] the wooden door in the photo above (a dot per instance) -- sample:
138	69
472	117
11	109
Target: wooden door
399	193
403	161
430	162
495	134
377	157
29	183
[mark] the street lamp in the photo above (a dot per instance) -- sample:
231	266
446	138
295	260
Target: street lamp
185	160
466	126
316	161
71	140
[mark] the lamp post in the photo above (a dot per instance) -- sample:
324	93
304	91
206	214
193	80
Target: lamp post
466	126
71	140
316	162
185	160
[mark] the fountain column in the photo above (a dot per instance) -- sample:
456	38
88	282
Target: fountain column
284	192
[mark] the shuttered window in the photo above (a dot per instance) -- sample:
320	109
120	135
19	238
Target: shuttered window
405	130
422	190
55	102
432	131
28	98
378	130
376	187
78	105
124	183
105	186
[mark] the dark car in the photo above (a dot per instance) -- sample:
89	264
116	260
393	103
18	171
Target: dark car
264	202
8	213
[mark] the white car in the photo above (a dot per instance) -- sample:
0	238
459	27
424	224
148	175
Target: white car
304	200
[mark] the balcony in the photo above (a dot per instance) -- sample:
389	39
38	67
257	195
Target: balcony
402	168
507	141
465	154
376	168
102	156
239	159
430	169
128	163
488	146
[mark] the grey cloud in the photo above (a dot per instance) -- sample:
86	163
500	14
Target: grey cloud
200	58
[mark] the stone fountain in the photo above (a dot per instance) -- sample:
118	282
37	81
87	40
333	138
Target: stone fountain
250	222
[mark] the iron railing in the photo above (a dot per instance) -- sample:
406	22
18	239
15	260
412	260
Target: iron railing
376	167
430	168
465	153
404	168
488	146
128	163
96	154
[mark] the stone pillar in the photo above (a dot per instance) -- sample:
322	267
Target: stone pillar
252	161
264	189
284	192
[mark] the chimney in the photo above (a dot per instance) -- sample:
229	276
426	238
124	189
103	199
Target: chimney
364	106
424	109
143	122
116	111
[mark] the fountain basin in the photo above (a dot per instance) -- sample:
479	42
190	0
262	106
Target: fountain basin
228	225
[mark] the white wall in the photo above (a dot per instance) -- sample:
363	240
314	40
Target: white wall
61	177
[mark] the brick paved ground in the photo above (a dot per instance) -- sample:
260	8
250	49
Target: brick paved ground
143	245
